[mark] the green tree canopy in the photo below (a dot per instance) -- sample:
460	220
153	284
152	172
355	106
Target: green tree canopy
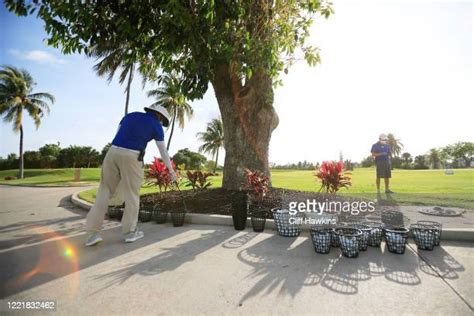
192	160
241	47
190	37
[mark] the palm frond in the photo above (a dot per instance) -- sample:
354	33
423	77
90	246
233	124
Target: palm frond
34	112
42	96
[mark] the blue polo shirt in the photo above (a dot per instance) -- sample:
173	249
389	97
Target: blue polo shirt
137	129
380	148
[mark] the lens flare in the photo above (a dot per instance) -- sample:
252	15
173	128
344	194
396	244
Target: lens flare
55	257
69	252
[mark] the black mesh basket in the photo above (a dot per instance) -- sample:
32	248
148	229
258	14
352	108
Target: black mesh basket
364	237
321	237
392	218
375	233
335	238
178	218
115	212
112	212
287	225
438	228
396	238
145	214
120	213
239	209
349	241
258	217
423	235
159	216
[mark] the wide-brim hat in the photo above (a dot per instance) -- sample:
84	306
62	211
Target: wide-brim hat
159	109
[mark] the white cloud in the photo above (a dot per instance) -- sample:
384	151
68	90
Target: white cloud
37	56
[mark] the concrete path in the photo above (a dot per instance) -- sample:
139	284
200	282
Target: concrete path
199	269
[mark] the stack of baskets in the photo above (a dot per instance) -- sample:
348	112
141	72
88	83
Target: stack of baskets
353	237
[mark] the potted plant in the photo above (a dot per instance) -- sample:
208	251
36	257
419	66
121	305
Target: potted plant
160	176
332	176
198	180
257	184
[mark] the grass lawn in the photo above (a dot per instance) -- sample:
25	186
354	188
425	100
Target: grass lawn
425	187
51	177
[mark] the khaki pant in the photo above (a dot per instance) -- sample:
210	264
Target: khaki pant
119	166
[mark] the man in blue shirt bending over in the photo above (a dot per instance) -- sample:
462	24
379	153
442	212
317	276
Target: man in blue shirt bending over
381	153
124	162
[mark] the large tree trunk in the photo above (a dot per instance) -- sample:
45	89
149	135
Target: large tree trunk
172	129
129	84
21	171
248	118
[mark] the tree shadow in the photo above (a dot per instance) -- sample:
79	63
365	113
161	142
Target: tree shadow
291	264
40	230
401	269
169	259
239	241
276	270
33	265
438	262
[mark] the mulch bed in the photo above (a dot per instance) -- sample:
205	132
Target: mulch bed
218	201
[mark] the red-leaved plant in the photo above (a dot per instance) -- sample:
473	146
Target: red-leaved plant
257	183
197	180
333	177
160	175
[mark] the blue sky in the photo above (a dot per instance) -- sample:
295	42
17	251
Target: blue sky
387	66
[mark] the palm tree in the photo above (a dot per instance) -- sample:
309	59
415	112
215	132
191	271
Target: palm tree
407	159
434	158
169	96
16	95
213	139
113	60
395	145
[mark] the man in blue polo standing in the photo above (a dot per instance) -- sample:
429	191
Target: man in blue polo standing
381	152
124	163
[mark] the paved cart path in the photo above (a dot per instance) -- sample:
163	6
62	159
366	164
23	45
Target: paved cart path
211	269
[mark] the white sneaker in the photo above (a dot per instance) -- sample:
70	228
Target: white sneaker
93	239
134	236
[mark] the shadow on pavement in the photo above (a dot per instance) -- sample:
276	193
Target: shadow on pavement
170	259
239	241
333	271
440	263
30	266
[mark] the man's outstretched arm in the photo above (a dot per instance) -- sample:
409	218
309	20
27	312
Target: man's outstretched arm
166	158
